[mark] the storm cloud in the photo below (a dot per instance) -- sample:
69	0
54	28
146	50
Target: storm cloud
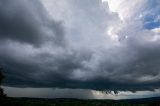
87	44
27	22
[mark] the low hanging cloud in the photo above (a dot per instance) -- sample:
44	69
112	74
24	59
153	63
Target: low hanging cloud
80	44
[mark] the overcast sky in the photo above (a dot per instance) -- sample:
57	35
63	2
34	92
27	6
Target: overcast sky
80	46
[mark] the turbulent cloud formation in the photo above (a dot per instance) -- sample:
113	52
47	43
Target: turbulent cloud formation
89	44
27	22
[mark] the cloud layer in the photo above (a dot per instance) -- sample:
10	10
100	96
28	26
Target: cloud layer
81	44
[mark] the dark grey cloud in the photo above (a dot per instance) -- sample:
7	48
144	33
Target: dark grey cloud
28	22
84	56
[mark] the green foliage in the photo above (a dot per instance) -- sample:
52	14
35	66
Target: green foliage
1	75
1	78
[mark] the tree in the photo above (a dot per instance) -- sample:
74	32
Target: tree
1	78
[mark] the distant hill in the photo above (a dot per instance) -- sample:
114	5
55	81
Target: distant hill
154	101
142	100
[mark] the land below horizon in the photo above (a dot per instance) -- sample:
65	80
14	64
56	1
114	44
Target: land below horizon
13	101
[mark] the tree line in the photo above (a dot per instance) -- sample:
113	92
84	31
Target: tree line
1	78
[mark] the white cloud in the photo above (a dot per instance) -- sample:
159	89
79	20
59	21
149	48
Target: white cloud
125	8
